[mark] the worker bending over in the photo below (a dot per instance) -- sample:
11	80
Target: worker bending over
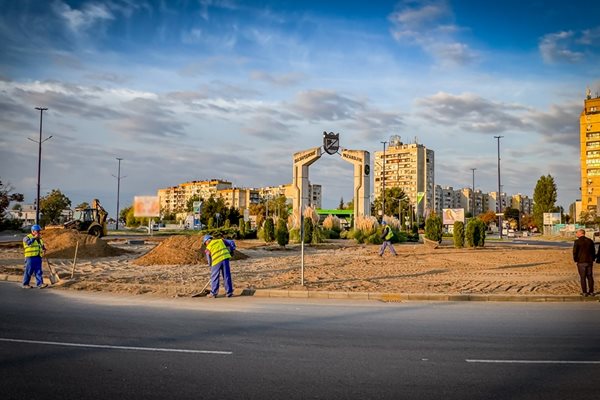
218	252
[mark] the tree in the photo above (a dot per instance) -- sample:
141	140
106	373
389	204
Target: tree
308	230
189	204
6	197
433	228
544	198
83	206
258	209
394	197
52	206
282	233
269	230
459	234
488	217
341	205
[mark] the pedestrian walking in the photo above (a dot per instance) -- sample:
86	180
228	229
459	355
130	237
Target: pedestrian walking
584	254
34	249
218	252
387	235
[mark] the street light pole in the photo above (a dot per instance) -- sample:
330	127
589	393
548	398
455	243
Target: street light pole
499	197
39	142
473	194
118	189
383	182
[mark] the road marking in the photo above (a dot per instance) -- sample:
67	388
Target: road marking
106	346
532	362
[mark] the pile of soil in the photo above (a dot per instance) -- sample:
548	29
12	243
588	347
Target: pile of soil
61	243
179	250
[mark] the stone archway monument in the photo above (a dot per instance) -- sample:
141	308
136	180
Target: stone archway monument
361	160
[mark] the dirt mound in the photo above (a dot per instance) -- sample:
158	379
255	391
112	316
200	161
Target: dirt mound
178	250
61	243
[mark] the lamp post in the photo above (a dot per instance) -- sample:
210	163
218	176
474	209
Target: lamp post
383	182
39	142
473	194
499	197
118	189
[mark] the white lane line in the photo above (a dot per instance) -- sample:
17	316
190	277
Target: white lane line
532	362
105	346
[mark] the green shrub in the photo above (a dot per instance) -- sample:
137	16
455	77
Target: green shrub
269	230
242	227
475	233
282	234
434	228
308	230
317	235
331	233
295	235
346	234
459	234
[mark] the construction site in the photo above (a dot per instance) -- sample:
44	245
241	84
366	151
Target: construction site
174	266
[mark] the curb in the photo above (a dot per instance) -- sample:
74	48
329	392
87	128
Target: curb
384	297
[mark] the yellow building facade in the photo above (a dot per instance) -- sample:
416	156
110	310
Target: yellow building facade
590	153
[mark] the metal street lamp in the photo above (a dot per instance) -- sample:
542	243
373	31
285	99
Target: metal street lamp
473	194
39	142
383	181
498	199
118	189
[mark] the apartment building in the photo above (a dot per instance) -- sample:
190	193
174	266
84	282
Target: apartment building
409	167
174	198
589	136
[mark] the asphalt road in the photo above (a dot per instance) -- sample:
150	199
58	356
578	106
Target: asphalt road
68	345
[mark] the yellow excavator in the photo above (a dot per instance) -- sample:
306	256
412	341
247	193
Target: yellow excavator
91	220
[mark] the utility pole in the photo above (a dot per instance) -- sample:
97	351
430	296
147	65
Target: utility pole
39	142
499	197
473	193
383	182
118	189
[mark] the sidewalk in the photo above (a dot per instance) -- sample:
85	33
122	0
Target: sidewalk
385	297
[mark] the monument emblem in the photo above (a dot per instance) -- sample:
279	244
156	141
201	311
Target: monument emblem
331	142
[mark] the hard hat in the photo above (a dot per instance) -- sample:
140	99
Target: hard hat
383	223
206	238
36	228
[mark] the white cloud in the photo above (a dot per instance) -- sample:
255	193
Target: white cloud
554	47
429	26
87	16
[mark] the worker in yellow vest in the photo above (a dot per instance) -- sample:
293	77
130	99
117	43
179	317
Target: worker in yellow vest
218	252
34	248
387	235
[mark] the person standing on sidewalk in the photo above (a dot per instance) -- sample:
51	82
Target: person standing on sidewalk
34	248
387	235
584	253
218	252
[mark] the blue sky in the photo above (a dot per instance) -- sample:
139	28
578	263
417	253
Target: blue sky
185	90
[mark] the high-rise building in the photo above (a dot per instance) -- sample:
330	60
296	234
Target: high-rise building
409	167
589	137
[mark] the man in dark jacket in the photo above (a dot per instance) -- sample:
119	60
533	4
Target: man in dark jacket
584	253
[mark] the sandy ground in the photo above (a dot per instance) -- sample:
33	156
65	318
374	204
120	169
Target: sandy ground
336	266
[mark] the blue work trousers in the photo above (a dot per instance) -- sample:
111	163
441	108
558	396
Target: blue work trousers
215	272
33	266
387	243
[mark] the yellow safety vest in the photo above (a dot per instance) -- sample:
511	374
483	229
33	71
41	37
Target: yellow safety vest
389	234
218	251
35	249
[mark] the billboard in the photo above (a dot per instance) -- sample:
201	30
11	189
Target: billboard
452	215
551	218
146	206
